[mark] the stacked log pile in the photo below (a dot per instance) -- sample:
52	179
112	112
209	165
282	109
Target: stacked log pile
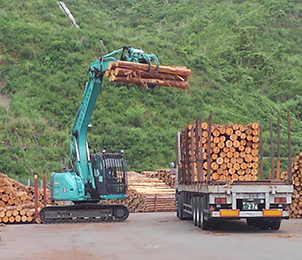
144	194
296	206
157	195
145	75
145	185
165	175
147	195
17	201
229	151
160	203
135	201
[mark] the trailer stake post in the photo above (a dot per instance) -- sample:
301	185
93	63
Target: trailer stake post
272	174
278	149
290	173
261	154
36	197
209	148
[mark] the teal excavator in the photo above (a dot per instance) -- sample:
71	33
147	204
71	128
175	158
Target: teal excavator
97	176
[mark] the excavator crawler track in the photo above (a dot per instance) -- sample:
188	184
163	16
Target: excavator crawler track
84	213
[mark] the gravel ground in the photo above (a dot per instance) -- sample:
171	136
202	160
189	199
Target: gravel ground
147	236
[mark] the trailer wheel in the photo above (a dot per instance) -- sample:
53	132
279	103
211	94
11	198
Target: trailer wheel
205	225
202	223
275	225
252	222
255	222
265	225
180	207
199	216
194	209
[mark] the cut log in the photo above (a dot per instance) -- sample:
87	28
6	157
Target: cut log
5	219
5	197
9	213
11	219
18	218
149	81
144	74
182	71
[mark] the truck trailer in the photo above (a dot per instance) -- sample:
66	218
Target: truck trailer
226	181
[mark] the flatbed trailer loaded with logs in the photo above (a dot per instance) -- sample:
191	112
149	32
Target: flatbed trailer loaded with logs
222	182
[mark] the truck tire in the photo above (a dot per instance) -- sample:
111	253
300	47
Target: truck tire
205	224
265	225
252	222
255	222
180	211
275	224
194	210
202	223
198	213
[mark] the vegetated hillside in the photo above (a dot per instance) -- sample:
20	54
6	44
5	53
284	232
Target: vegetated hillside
245	58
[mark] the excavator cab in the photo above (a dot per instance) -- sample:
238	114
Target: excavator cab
109	169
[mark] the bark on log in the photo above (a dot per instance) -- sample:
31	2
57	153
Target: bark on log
143	74
182	71
149	81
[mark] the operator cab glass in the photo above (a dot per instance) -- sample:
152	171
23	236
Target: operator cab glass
110	173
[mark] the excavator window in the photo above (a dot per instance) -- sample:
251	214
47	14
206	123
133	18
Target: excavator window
98	168
115	175
109	172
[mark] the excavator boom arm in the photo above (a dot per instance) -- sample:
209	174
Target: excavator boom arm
78	145
102	175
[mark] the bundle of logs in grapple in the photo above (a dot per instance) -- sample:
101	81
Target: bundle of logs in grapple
226	152
296	206
148	75
17	201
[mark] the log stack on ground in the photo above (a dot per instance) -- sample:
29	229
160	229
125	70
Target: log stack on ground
165	175
147	195
135	201
296	206
144	75
230	152
16	201
158	197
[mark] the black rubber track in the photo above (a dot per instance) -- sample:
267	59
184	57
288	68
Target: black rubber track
83	207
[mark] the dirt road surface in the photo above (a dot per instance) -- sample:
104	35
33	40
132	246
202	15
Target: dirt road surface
147	236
